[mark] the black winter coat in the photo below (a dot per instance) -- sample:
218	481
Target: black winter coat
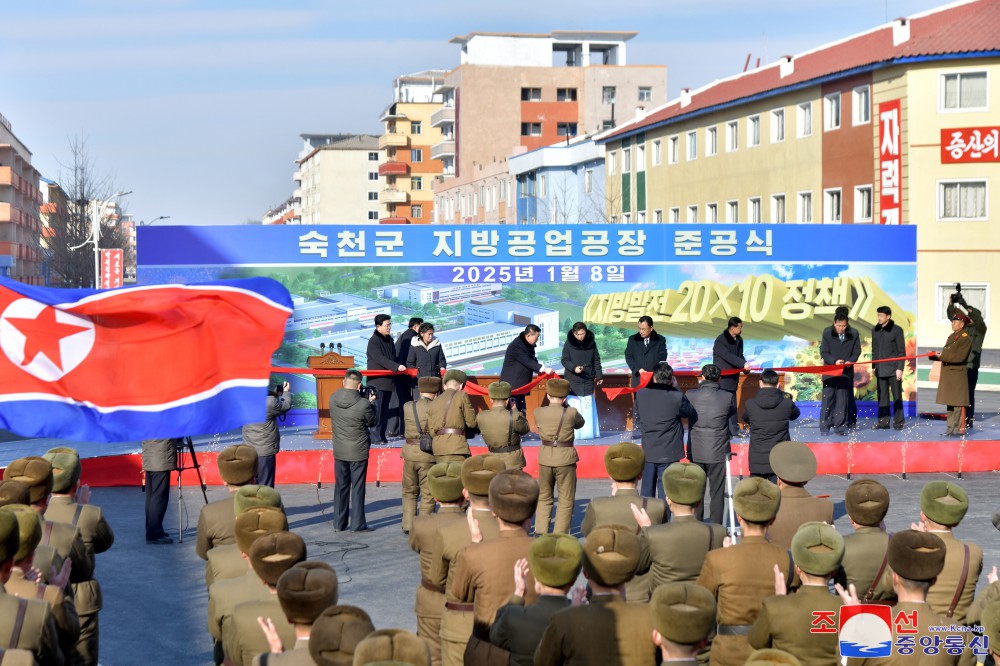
768	414
888	342
519	363
708	437
640	356
382	356
403	345
583	353
429	360
350	418
831	349
727	353
662	407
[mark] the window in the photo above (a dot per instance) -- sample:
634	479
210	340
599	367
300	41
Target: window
626	217
831	206
658	216
753	212
626	160
417	155
863	203
692	215
732	211
566	129
417	183
373	196
612	162
831	111
417	211
753	131
692	145
675	215
531	94
711	141
640	157
962	200
640	217
712	213
608	94
531	129
541	186
588	181
673	150
607	124
778	209
416	127
732	136
373	175
976	294
645	94
964	90
373	215
657	153
777	126
861	105
373	157
804	210
566	95
804	119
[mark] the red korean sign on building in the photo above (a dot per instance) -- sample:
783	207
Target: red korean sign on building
111	268
970	144
890	162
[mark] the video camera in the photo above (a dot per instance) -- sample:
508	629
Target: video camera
957	296
276	390
367	392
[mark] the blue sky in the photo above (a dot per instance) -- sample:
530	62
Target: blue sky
196	106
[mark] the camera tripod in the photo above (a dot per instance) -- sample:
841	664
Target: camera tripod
187	446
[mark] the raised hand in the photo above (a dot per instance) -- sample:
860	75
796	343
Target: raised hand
779	582
641	516
273	640
474	531
520	577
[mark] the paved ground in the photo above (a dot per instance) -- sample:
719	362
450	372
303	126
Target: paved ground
155	601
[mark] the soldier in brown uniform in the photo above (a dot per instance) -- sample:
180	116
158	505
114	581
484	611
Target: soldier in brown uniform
226	561
683	620
794	463
502	426
742	576
270	556
217	521
554	560
942	507
953	387
36	631
786	620
450	540
336	634
483	572
557	457
608	630
304	591
866	551
417	463
991	629
65	506
445	481
391	646
450	417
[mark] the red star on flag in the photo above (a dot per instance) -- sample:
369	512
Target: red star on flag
43	335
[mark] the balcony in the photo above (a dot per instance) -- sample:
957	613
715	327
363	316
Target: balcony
392	196
297	176
393	220
393	140
7	176
443	149
393	169
446	114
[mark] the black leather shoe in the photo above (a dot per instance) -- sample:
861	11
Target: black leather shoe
898	426
881	426
364	529
160	540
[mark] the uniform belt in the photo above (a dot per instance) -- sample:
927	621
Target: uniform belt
432	587
450	431
415	442
506	449
546	442
733	630
459	608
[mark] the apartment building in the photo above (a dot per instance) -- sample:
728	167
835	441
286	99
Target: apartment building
339	179
561	184
20	198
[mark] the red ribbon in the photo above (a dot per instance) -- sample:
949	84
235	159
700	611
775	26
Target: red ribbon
470	387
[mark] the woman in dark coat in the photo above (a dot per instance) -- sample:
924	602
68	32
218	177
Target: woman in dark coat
426	354
582	364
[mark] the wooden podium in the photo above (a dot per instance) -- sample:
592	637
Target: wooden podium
326	386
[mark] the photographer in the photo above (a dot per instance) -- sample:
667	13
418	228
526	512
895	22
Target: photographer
976	331
264	436
351	415
159	459
502	426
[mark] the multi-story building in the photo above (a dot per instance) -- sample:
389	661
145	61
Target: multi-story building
483	194
53	204
561	184
340	181
20	198
896	125
439	293
410	131
514	92
289	211
502	311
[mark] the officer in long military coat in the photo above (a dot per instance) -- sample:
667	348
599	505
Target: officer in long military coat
953	387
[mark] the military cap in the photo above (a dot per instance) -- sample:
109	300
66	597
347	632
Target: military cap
867	502
611	555
273	554
817	548
513	495
454	375
429	385
29	529
499	391
256	522
392	646
756	499
996	515
916	555
253	495
14	492
555	559
958	316
65	468
336	633
306	590
478	472
445	481
793	462
624	461
684	483
34	472
944	502
557	388
683	612
772	657
238	464
10	535
990	620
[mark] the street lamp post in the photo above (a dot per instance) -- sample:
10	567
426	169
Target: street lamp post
143	223
95	221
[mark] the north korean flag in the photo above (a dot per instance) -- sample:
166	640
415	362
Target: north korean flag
138	362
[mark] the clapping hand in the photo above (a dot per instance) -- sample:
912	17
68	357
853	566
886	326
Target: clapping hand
474	531
779	582
578	596
83	494
273	640
520	577
641	516
849	596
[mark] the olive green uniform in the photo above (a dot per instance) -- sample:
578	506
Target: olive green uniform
675	552
296	656
225	595
38	633
864	553
63	610
798	506
519	628
608	630
941	593
501	429
557	458
448	417
953	387
429	604
224	562
216	526
416	463
926	617
784	623
243	639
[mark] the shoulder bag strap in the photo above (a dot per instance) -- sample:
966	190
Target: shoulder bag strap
47	532
791	571
510	427
15	634
416	417
961	582
559	427
448	407
76	516
711	535
878	576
